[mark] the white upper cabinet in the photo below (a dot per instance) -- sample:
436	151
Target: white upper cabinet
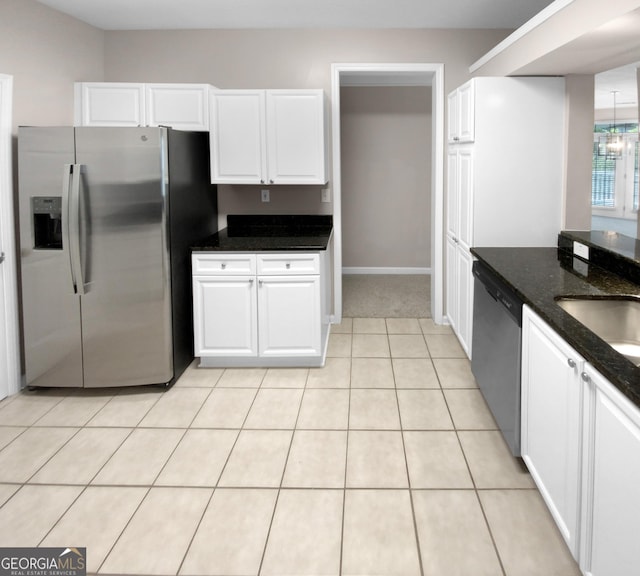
180	106
296	137
461	114
109	104
237	136
268	137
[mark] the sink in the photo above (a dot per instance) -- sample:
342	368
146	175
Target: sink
614	319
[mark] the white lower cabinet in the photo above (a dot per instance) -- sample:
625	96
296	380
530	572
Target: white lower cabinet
581	443
551	421
255	309
289	316
225	313
612	481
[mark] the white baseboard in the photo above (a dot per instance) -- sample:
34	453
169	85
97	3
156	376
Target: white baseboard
385	270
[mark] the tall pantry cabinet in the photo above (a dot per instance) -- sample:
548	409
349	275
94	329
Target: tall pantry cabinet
504	177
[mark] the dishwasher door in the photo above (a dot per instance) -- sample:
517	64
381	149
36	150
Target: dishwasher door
496	345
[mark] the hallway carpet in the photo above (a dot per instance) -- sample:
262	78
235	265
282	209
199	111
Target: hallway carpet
386	296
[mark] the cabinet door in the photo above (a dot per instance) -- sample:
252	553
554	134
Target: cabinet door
459	292
465	299
109	104
296	137
453	210
290	315
551	417
452	306
237	136
465	196
460	194
225	316
612	493
466	112
181	106
452	117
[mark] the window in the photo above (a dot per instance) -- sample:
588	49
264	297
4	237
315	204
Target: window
614	182
603	179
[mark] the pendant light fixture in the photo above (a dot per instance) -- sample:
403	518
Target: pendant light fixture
611	144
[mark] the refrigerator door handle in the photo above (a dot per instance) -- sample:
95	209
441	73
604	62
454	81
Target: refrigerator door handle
71	230
74	228
67	178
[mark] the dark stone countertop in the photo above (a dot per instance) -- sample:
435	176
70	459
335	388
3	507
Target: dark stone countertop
611	250
269	233
539	275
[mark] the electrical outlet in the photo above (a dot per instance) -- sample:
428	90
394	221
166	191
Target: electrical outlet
581	250
265	195
325	196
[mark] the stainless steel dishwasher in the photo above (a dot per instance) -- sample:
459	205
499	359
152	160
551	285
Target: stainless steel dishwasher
496	345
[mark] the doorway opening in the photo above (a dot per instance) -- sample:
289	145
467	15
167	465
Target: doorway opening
389	220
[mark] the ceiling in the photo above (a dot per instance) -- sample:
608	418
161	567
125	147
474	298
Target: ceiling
207	14
622	80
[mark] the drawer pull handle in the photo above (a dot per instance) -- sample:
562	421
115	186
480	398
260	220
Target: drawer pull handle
571	362
288	265
585	377
223	265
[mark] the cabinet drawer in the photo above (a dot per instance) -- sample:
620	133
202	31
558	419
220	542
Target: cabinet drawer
283	264
223	264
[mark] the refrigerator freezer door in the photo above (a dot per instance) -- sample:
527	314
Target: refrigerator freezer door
126	309
51	310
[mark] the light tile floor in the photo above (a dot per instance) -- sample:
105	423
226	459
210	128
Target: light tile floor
384	462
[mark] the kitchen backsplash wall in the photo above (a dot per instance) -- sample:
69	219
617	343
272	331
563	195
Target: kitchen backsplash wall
289	58
241	199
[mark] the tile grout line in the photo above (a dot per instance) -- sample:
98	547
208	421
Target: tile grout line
214	488
106	556
493	541
193	536
150	487
86	485
346	464
406	464
475	487
154	481
284	469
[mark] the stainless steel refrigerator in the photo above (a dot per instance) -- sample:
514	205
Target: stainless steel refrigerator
107	216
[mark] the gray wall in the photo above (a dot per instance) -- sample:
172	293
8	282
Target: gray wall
578	151
386	176
46	52
282	59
